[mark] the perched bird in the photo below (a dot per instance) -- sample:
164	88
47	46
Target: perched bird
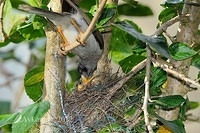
70	25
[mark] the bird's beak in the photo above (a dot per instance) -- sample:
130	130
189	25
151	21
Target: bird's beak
85	83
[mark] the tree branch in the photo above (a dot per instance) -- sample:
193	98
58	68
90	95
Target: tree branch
165	25
86	34
54	75
161	63
124	79
147	96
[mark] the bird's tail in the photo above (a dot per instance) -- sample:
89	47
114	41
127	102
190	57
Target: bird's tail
44	13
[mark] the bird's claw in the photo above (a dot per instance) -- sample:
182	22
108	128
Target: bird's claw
79	40
65	43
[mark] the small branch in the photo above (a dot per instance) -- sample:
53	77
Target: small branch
170	37
123	80
93	22
165	25
89	30
165	66
147	96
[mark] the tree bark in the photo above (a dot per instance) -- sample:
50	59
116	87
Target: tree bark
54	75
188	34
104	64
2	33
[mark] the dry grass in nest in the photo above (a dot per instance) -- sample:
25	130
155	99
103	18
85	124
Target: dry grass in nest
94	108
90	108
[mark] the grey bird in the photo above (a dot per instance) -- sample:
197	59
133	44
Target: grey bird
88	54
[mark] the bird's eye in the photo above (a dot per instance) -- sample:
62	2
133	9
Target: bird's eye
82	69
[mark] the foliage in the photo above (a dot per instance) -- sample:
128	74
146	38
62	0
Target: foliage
180	51
127	49
23	121
33	82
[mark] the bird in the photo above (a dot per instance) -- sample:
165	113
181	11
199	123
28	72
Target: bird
70	25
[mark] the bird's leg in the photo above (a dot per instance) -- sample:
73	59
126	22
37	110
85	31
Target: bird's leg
66	43
73	22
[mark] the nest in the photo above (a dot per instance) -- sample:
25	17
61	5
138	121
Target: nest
101	105
89	110
92	109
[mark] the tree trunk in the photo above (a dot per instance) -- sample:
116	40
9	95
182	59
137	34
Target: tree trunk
188	34
54	75
104	69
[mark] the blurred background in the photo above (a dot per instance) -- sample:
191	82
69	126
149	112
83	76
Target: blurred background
16	59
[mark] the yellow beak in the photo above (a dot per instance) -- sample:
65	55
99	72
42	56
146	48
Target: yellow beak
85	83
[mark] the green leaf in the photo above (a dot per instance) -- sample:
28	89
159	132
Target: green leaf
4	43
108	12
29	116
139	10
87	4
35	3
176	126
120	47
10	18
14	26
193	105
34	92
124	45
158	44
167	14
33	83
45	2
180	51
93	9
184	109
16	3
117	56
129	62
34	76
7	119
158	78
196	61
16	37
35	24
7	129
170	101
139	48
74	74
